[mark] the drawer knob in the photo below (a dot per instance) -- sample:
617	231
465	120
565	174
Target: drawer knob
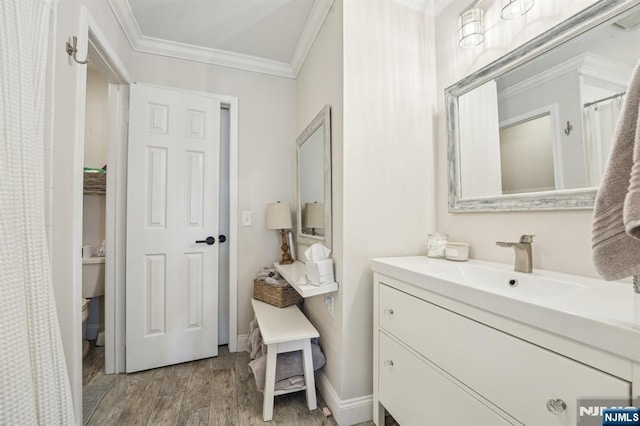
388	363
388	311
556	406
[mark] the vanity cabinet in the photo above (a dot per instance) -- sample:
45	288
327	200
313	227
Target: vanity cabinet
417	393
434	364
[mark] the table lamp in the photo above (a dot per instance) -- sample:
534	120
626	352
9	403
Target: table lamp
313	217
279	217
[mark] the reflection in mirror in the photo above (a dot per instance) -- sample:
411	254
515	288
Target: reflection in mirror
313	218
538	135
314	181
311	153
526	156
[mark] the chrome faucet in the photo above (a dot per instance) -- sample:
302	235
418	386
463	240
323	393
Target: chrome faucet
523	252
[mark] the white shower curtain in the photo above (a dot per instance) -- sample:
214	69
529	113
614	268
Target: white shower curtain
600	123
34	386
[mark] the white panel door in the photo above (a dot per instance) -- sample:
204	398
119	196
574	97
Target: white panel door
480	142
172	202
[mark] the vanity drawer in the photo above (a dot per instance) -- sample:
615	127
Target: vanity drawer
416	394
520	379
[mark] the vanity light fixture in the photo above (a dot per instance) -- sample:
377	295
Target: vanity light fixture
512	9
471	26
279	217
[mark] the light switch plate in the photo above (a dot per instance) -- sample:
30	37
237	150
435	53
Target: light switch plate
247	218
330	302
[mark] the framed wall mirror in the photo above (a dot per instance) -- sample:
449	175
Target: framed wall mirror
533	129
313	181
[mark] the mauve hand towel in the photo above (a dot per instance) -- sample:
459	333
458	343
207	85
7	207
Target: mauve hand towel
615	236
288	365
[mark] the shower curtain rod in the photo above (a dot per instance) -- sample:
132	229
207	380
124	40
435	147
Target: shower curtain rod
617	95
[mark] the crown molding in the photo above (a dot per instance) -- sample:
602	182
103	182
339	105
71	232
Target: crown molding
213	56
124	15
140	43
318	14
440	5
585	64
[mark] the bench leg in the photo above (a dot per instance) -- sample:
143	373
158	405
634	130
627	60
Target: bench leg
309	379
269	383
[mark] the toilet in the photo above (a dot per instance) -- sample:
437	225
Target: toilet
92	286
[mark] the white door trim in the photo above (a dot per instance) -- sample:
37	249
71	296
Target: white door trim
88	32
115	223
115	230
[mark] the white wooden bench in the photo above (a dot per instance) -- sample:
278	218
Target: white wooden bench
285	330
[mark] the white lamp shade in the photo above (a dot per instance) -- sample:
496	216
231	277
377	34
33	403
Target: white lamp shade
278	216
313	215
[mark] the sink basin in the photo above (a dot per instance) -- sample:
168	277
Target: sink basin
499	279
592	311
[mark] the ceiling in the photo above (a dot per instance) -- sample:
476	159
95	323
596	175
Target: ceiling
265	29
268	36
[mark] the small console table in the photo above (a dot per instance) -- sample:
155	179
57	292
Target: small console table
295	271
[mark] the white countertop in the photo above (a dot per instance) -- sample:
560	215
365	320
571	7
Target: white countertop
602	314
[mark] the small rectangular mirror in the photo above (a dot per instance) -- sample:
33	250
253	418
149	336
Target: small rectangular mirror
313	181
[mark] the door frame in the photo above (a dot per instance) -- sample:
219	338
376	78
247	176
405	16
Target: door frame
89	32
108	61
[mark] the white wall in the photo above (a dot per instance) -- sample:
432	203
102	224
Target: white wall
63	178
267	129
389	94
95	155
562	240
319	83
373	62
95	130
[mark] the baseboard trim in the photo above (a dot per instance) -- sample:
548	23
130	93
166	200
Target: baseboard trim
345	412
242	342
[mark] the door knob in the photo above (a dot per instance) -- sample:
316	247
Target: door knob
222	238
209	241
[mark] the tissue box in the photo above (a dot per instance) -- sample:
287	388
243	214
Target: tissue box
320	272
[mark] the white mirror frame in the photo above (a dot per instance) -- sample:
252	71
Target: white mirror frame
551	200
322	119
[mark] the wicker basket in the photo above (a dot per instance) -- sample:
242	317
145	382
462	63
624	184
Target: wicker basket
280	295
95	183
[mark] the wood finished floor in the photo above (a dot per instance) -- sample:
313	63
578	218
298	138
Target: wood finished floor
214	391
